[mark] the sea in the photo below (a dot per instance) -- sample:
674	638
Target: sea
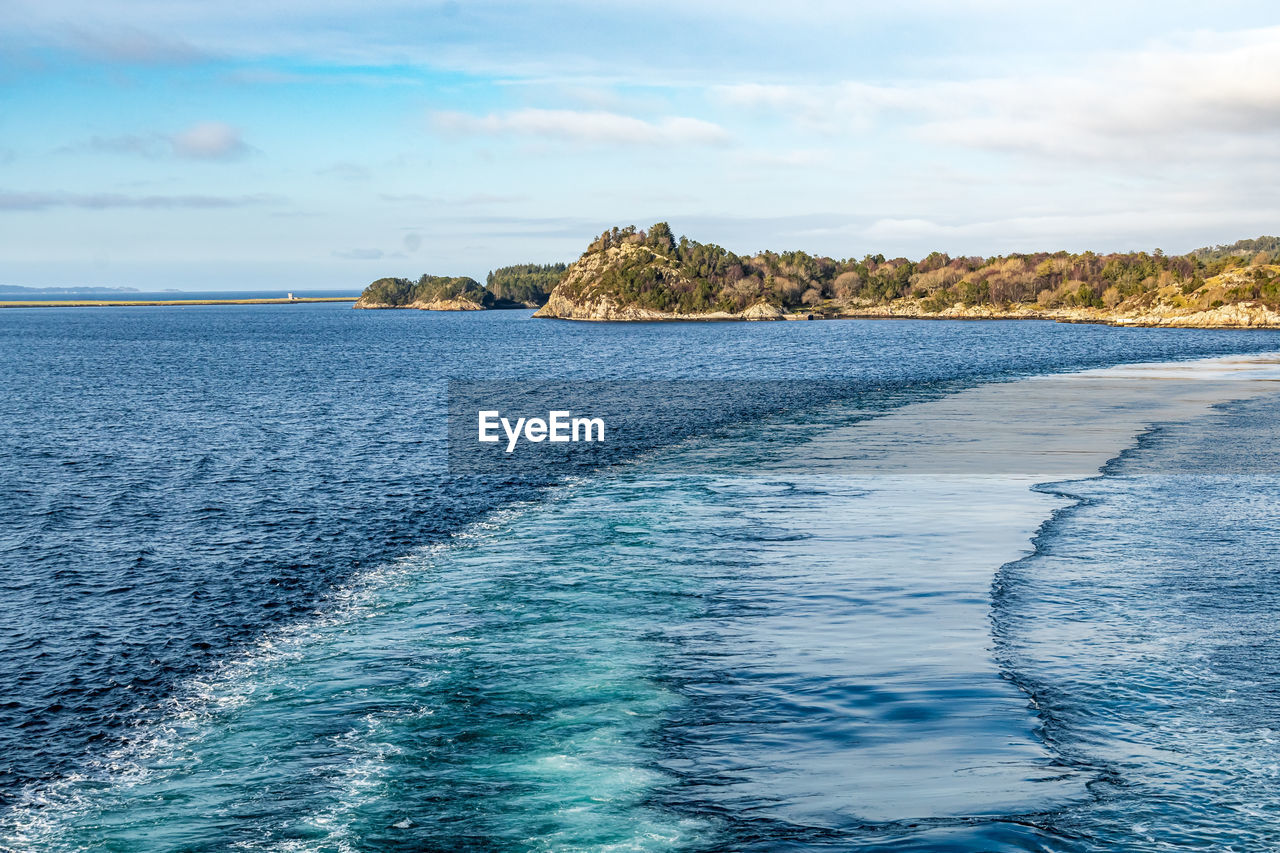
844	585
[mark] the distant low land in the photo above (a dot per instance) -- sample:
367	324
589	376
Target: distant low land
20	290
628	274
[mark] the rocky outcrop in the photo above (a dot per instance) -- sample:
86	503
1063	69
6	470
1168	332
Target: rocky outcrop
762	311
447	305
606	309
1239	315
914	309
581	295
436	305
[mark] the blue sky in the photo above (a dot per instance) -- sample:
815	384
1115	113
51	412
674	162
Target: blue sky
323	144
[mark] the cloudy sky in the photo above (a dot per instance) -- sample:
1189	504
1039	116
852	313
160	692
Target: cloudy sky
324	143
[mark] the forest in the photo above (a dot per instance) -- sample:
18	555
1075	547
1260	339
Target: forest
527	284
522	286
429	288
684	276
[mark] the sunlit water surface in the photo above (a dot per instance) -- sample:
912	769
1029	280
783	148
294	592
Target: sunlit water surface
245	605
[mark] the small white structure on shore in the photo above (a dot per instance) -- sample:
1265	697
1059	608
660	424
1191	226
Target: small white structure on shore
290	297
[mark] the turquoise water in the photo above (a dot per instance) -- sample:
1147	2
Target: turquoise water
779	634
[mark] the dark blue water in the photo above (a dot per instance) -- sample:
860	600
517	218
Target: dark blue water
227	617
1144	628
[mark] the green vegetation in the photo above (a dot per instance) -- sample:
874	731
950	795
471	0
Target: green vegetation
1263	250
686	277
508	287
428	288
526	284
654	270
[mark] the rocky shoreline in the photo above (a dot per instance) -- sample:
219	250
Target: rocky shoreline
1240	315
436	305
603	309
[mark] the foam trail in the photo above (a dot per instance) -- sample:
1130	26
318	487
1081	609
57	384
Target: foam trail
491	692
860	696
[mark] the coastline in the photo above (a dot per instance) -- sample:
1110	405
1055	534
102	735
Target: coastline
1236	316
166	303
1241	315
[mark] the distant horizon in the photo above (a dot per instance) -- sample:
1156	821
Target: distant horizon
357	288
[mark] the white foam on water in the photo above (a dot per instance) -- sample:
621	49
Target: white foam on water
255	727
206	703
878	618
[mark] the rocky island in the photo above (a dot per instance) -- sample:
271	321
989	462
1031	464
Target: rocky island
628	274
524	286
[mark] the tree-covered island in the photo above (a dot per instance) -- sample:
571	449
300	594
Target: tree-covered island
523	286
632	274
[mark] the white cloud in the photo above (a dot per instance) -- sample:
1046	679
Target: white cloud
589	127
1129	228
1216	97
209	140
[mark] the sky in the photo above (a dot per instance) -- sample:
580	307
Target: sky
321	144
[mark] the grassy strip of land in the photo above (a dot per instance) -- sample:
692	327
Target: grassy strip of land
115	303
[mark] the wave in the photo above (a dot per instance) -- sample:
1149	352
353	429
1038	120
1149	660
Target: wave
1137	627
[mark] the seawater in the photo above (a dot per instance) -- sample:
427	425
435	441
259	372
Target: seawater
1143	625
247	607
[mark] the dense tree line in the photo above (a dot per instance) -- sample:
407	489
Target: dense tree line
508	287
428	288
528	284
685	276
